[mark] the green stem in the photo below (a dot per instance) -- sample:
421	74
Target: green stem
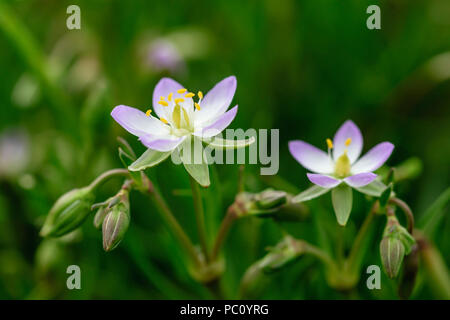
340	245
199	216
167	215
318	253
225	226
106	176
361	235
407	210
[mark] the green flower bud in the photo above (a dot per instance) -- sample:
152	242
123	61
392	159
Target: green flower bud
396	243
392	252
286	251
116	223
270	199
68	212
100	216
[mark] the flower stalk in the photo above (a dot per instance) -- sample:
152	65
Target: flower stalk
106	176
199	216
167	215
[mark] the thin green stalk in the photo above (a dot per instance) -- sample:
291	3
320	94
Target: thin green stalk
199	216
318	253
361	235
407	210
167	215
340	243
106	176
225	226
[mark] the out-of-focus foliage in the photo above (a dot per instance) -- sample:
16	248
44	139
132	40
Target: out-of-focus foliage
302	66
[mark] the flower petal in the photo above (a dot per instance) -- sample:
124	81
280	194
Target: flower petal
217	100
348	130
311	157
323	180
218	125
162	89
161	143
360	179
137	123
373	159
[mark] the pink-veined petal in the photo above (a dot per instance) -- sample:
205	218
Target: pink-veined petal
323	180
217	100
311	157
161	143
374	158
360	179
137	122
218	125
348	130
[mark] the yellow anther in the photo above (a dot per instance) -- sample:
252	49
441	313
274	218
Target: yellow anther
147	113
197	106
330	144
162	98
200	94
163	103
178	100
180	91
189	95
164	120
348	141
169	97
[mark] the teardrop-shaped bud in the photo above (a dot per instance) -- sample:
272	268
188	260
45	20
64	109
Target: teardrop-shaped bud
68	212
115	224
392	252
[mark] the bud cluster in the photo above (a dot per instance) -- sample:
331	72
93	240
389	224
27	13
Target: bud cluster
113	216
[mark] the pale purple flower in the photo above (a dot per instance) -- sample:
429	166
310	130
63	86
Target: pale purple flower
342	162
178	115
164	55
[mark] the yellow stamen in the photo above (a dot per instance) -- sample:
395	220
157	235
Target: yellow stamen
164	120
189	95
161	98
180	91
163	103
178	100
348	141
197	106
169	97
330	144
147	113
200	94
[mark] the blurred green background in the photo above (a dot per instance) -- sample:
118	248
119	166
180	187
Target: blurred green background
302	66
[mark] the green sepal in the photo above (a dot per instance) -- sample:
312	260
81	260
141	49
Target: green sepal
219	143
374	189
342	198
198	171
310	193
149	158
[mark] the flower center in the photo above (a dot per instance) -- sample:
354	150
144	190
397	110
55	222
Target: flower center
342	165
180	119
